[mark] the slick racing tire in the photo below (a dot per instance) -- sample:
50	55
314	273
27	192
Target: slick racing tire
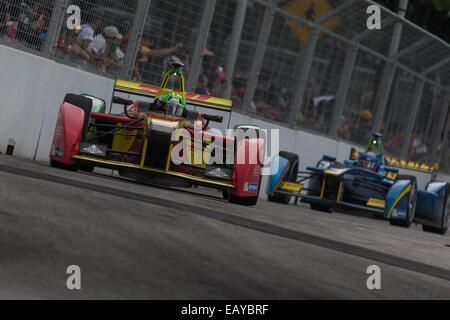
291	176
412	201
83	103
445	217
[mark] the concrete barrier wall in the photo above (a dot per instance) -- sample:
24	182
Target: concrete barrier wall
31	91
443	177
33	88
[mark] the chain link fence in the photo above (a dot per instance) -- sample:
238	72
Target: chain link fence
101	39
309	64
24	24
170	32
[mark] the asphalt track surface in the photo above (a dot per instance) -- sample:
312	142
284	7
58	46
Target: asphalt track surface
134	241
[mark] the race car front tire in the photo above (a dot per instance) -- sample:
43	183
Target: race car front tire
411	203
290	177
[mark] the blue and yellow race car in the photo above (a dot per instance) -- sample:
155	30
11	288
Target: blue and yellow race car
366	182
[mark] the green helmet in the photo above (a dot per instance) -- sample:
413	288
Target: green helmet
173	103
173	97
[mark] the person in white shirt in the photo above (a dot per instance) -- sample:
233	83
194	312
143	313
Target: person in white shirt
101	45
85	37
97	45
87	32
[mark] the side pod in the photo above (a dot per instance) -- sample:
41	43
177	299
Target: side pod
66	139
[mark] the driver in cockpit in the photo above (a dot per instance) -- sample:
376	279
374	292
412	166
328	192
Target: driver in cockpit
171	104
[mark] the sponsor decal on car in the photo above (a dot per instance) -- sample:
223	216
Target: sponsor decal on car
399	214
251	187
94	149
58	153
256	170
217	172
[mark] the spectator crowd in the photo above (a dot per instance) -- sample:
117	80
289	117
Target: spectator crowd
93	42
102	42
24	23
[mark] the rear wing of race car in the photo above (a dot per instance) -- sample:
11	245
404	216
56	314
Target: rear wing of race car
402	164
193	99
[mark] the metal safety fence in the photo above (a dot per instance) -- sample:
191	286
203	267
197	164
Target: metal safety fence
309	64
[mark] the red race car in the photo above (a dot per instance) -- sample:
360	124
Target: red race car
158	138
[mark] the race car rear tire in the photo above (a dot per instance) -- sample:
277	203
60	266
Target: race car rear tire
83	103
411	203
445	218
290	177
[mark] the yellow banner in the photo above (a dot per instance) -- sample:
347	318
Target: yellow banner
402	164
309	10
411	165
